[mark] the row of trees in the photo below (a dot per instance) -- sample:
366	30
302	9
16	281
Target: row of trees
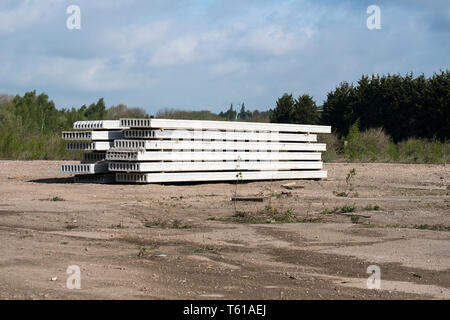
300	110
30	126
404	106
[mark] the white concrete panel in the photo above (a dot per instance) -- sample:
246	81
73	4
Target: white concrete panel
218	176
98	125
222	125
85	168
217	135
88	146
213	166
216	145
124	155
91	135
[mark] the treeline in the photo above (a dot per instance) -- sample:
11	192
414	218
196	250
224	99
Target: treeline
30	126
389	118
404	106
402	110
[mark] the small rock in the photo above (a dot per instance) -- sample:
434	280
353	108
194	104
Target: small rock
54	279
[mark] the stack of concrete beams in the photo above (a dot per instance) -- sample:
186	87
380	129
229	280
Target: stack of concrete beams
162	150
96	138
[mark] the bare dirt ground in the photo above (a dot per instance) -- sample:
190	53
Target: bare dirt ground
116	232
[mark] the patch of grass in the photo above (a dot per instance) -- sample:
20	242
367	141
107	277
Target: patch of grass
71	226
64	243
372	208
267	215
344	209
434	227
176	224
354	219
172	224
239	214
348	208
276	195
309	220
211	219
330	211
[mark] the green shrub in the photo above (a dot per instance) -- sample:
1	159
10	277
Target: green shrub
374	145
354	219
423	151
348	208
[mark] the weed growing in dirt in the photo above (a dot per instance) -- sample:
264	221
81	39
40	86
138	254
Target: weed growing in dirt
349	188
176	224
434	227
372	208
344	209
330	211
172	224
354	219
348	208
267	215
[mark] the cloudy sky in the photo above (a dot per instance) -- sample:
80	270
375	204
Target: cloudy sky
206	54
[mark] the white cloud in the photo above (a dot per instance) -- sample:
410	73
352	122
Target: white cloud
138	37
178	51
86	75
273	39
229	67
254	50
26	13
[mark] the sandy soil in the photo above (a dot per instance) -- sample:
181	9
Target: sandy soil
115	233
